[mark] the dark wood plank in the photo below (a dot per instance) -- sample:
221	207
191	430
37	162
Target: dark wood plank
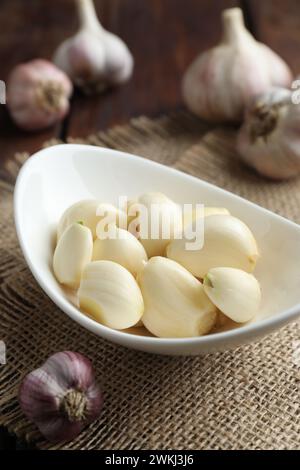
29	29
164	36
277	23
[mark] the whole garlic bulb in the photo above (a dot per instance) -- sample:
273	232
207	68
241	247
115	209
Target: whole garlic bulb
176	305
72	253
110	295
236	293
61	397
125	250
94	58
220	82
227	242
269	140
38	94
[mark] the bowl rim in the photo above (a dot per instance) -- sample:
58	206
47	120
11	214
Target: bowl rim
258	328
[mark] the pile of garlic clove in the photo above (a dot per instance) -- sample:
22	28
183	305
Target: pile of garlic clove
128	279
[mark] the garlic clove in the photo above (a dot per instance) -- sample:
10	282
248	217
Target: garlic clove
221	81
90	212
94	58
61	397
236	293
215	211
72	253
269	139
84	211
110	295
176	305
38	94
227	242
125	250
190	217
154	219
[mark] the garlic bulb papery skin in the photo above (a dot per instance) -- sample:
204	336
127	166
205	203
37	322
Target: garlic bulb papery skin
90	212
227	242
110	295
176	305
38	94
61	397
269	140
159	210
236	293
94	58
220	82
125	250
72	253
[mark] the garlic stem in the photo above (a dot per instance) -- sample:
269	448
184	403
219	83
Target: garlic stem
233	25
88	16
74	405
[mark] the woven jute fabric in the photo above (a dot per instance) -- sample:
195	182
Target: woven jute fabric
243	399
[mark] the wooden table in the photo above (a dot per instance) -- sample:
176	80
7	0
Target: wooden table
163	35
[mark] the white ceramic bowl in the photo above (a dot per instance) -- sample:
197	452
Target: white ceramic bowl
58	176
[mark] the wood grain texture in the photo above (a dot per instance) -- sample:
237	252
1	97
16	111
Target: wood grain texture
164	37
277	23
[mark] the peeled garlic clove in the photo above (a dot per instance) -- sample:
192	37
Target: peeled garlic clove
269	139
236	293
156	219
90	212
190	217
109	216
227	242
38	94
176	305
110	295
215	211
72	253
125	250
94	58
84	211
222	80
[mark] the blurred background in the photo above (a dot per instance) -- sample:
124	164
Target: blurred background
163	35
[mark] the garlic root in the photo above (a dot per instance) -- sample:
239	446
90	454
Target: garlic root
269	139
61	397
38	95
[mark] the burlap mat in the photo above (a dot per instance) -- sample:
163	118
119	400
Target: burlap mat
244	399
